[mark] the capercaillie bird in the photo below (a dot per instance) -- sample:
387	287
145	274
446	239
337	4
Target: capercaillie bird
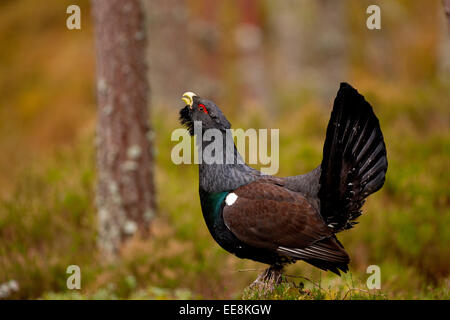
279	220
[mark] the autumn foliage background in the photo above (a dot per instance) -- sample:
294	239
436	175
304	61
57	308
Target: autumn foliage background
268	64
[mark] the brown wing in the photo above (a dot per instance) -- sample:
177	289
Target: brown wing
267	215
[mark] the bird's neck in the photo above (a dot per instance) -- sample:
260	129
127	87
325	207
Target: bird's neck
221	166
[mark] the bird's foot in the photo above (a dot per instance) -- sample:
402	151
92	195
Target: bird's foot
268	280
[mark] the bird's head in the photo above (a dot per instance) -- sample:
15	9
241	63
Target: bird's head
202	110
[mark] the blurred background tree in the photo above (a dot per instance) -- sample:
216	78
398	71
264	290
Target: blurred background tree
125	191
446	4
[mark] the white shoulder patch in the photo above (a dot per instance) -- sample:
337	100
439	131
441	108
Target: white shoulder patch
231	198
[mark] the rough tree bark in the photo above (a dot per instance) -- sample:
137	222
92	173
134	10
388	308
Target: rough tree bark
125	190
444	50
446	4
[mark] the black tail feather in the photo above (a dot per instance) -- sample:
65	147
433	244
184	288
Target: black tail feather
354	161
328	266
326	254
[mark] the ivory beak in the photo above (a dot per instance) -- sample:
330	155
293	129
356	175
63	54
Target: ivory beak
188	98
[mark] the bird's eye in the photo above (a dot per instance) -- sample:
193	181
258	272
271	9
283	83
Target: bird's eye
203	108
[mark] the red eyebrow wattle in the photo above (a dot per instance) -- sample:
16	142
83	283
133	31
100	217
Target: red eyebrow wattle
203	107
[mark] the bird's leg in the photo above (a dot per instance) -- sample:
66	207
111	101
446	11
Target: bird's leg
268	280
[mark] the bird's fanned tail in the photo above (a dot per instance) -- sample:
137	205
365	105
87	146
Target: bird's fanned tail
354	161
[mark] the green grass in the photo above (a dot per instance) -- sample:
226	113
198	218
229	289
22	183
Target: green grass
302	288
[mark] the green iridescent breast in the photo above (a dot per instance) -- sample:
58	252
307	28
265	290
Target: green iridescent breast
211	203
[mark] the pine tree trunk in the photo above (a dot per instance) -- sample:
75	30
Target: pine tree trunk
446	4
125	190
444	45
